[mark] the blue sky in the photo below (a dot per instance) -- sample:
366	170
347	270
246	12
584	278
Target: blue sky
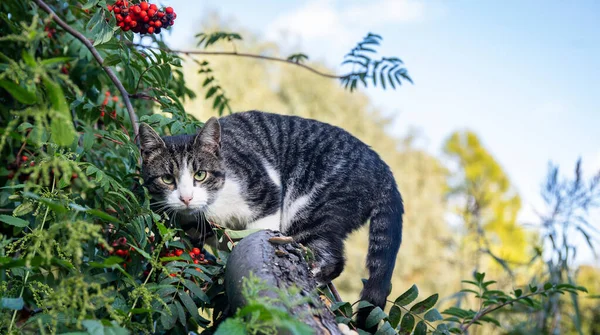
524	75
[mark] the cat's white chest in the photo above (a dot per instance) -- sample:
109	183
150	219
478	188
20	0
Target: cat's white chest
230	208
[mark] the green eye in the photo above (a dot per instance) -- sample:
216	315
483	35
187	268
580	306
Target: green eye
168	179
200	176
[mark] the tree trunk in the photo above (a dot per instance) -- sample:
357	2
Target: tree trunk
281	263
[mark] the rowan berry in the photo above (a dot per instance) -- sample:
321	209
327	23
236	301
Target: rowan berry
196	251
151	30
157	24
178	252
137	9
144	6
24	158
151	12
169	10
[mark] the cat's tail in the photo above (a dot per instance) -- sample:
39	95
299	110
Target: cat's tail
385	236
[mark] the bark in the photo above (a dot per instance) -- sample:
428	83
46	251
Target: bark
280	264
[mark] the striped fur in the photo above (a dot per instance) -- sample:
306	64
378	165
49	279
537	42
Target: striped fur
308	179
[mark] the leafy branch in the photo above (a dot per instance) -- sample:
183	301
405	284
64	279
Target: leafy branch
493	300
99	59
387	69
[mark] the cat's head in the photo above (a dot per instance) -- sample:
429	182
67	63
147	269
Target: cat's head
185	172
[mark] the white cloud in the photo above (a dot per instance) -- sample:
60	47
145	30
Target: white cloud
339	22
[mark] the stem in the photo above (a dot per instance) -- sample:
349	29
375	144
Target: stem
493	308
14	316
136	299
413	314
108	70
242	54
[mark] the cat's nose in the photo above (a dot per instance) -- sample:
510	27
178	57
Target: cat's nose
186	199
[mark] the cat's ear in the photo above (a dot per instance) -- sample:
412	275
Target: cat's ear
209	136
149	139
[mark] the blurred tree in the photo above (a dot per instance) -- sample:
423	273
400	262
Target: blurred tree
486	204
252	84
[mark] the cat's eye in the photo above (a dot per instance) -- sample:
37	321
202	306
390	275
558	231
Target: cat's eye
200	176
167	179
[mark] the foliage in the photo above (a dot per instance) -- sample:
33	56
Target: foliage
72	199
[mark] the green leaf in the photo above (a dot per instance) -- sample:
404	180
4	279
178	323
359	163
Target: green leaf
24	126
433	315
375	317
385	329
21	94
421	328
168	320
104	216
112	60
52	61
231	326
424	305
344	307
140	251
189	304
90	4
61	125
518	292
94	327
407	297
407	324
13	221
195	289
15	304
394	316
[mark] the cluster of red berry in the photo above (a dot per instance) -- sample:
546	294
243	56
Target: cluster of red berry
121	249
195	253
143	18
107	99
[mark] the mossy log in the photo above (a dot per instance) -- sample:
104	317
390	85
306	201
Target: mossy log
281	263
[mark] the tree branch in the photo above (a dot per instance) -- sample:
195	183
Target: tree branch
241	54
108	70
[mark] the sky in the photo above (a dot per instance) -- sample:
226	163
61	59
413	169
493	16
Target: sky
524	75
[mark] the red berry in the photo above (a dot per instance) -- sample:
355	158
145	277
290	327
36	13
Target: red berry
174	16
73	175
160	14
120	252
32	163
173	274
151	30
133	24
144	6
157	24
119	17
127	19
115	98
196	261
117	10
109	7
107	93
178	252
24	158
143	13
146	18
102	114
137	9
153	6
169	10
151	12
196	251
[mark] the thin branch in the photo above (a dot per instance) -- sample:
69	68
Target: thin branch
108	70
241	54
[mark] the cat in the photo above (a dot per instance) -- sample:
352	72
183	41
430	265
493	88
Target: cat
308	179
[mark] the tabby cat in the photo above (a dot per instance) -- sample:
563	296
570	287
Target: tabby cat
308	179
